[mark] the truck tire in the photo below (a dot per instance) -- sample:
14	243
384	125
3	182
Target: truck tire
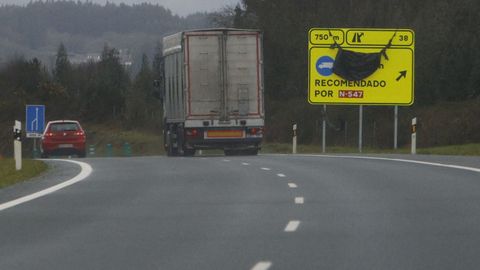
189	152
231	152
171	151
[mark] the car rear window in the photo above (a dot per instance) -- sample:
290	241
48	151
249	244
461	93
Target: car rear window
64	127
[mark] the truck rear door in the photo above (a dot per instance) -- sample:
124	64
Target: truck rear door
223	74
243	74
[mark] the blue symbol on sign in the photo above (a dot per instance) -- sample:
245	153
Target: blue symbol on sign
325	65
35	122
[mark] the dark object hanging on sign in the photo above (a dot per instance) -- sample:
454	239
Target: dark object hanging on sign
356	66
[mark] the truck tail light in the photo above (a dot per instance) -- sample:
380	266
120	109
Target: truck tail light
193	132
258	131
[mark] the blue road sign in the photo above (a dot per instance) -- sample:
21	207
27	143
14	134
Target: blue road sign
35	120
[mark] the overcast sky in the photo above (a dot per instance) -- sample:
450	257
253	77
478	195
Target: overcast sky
180	7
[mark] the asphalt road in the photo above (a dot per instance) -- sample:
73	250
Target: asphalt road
264	212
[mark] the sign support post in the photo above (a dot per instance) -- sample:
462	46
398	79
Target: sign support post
395	129
360	129
324	128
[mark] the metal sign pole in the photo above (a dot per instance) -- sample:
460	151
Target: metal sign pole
324	128
395	129
360	128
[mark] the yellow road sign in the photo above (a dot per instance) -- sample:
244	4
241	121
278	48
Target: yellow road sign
391	84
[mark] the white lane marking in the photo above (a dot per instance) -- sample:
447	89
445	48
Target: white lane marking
292	226
226	160
266	169
472	169
86	170
281	175
245	163
292	185
299	200
264	265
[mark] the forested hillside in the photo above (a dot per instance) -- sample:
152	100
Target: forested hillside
447	39
52	37
37	29
447	67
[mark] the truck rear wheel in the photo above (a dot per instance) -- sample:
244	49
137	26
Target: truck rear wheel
189	152
251	152
230	152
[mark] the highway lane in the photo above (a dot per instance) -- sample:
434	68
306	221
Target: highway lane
265	212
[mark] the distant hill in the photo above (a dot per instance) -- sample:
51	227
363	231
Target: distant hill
37	29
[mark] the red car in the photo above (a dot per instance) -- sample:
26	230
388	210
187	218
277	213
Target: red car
63	137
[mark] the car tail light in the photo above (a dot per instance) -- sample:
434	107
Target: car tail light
49	134
79	133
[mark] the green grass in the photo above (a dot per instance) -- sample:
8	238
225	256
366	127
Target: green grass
151	143
140	142
9	176
283	148
463	150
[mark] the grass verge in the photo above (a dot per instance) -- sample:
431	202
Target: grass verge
461	150
143	142
112	141
9	176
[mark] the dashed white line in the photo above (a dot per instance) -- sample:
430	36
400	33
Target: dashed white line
226	160
299	200
264	265
86	170
292	185
281	175
266	169
245	163
292	226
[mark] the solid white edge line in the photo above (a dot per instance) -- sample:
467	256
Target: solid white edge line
299	200
292	185
436	164
281	175
264	265
292	226
86	170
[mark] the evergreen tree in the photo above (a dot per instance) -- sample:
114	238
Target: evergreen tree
62	72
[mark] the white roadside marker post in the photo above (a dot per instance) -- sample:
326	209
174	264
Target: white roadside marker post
294	146
17	144
414	136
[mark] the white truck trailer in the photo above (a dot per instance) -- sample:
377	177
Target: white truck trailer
213	91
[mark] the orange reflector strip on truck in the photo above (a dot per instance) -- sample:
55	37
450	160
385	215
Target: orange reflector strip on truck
225	134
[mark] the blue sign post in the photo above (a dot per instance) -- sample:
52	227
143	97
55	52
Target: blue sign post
35	121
